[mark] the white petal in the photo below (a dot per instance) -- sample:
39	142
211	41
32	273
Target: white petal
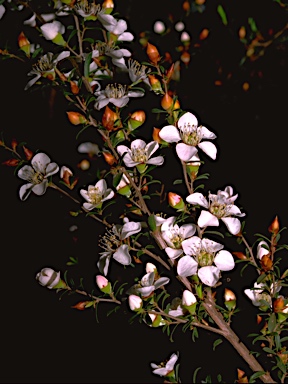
207	219
25	191
151	148
130	229
161	281
185	152
101	102
187	266
187	230
89	206
173	253
40	162
209	148
158	160
121	149
234	210
209	275
40	189
197	199
102	186
262	251
224	261
122	255
138	143
146	291
26	173
187	118
170	134
233	225
126	36
119	28
210	245
103	262
206	134
129	162
51	169
119	102
192	246
2	11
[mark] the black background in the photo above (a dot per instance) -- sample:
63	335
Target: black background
43	340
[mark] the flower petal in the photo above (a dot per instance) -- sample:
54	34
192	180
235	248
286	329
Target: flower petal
187	119
191	246
161	281
122	255
25	191
51	169
187	230
173	253
209	148
197	198
102	186
233	224
40	189
26	173
224	261
206	134
130	229
185	152
207	219
209	275
187	266
151	148
158	160
170	134
40	162
104	262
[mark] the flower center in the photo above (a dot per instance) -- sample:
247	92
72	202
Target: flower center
87	8
95	195
205	258
138	70
190	134
37	178
175	238
45	63
109	241
217	209
115	91
139	155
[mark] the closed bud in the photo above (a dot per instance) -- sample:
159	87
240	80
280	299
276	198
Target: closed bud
24	44
108	6
135	303
81	305
11	162
47	277
242	32
169	72
103	284
123	187
240	255
155	85
136	119
84	165
151	268
186	6
204	34
14	144
230	299
175	201
109	158
189	301
167	102
279	304
258	319
109	118
266	263
192	169
28	153
65	174
76	118
152	53
274	227
185	57
157	320
74	88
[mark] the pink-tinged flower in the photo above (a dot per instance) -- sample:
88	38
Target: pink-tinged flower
174	236
103	284
117	27
37	175
188	136
140	154
113	242
116	94
47	277
220	206
205	258
96	195
135	302
165	368
45	67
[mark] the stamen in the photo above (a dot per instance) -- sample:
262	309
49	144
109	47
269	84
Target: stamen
190	134
139	155
115	91
45	63
109	241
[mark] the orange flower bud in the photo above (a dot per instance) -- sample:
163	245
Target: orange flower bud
204	34
259	319
186	6
74	88
274	227
14	144
167	102
22	40
229	295
11	162
109	158
136	119
81	305
185	57
76	118
28	153
240	255
241	376
108	5
152	53
266	263
84	165
242	32
200	2
108	119
170	72
278	304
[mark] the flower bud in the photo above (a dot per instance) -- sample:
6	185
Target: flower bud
242	32
84	165
186	6
109	118
175	201
135	302
103	284
230	299
74	88
65	174
189	301
241	376
279	304
76	118
192	169
240	255
24	44
159	27
123	188
152	53
151	268
14	144
136	120
274	227
155	85
47	277
169	72
185	57
11	162
28	153
82	305
167	102
204	34
109	158
185	38
108	6
266	263
157	320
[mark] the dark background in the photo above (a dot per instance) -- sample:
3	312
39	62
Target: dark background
45	341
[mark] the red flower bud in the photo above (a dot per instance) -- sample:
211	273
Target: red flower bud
11	162
109	158
274	227
29	154
76	118
152	53
81	305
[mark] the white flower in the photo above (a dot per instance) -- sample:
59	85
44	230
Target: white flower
174	235
2	11
117	55
188	136
96	195
149	284
90	148
47	277
87	10
45	67
117	27
138	72
51	30
257	294
206	254
140	154
37	175
261	251
116	94
220	206
112	243
188	298
167	368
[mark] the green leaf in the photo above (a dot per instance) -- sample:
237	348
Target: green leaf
156	110
269	350
87	64
194	378
152	222
252	24
116	179
222	14
216	343
272	322
256	375
178	181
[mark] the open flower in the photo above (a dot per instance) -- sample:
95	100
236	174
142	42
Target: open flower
220	206
53	31
113	242
174	236
96	195
257	295
45	67
148	284
117	27
165	369
88	11
189	136
206	258
138	72
140	154
112	50
37	175
116	94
